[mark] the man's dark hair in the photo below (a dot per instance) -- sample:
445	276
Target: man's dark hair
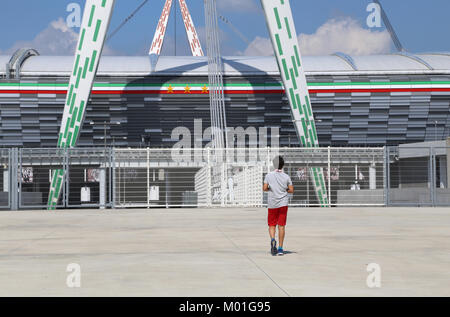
278	162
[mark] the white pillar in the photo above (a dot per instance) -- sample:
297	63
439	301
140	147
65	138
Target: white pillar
448	161
223	185
5	181
329	176
443	172
102	188
372	177
148	177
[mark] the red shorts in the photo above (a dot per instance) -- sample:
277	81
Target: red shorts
277	216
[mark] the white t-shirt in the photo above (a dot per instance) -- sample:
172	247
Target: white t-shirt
278	183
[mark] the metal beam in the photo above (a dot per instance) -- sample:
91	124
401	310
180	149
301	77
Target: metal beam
390	28
287	51
95	24
160	33
191	32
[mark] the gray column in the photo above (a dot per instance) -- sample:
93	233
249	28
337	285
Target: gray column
442	171
372	177
448	161
102	188
5	181
14	184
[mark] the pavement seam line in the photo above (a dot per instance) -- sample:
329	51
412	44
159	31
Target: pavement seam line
254	263
10	252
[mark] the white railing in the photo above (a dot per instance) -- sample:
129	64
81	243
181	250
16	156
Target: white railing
204	178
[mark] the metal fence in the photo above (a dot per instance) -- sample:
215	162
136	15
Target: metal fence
419	176
171	178
5	167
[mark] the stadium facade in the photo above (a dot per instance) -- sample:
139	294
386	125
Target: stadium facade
357	101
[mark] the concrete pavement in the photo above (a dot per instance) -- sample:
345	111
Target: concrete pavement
225	252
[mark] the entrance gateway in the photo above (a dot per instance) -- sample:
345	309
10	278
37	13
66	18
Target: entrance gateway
95	24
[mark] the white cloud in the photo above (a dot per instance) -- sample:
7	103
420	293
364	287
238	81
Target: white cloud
237	5
56	39
347	36
336	35
259	47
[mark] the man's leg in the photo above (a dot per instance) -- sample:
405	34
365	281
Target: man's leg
272	230
272	220
281	234
282	225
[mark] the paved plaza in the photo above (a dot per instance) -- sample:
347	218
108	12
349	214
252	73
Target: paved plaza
225	252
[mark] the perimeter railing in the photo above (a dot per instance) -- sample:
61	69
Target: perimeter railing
191	178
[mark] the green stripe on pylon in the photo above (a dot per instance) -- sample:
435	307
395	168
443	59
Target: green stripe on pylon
85	68
80	113
295	66
77	61
97	30
277	18
75	136
78	77
91	16
285	68
72	103
80	46
74	118
297	56
288	28
94	56
294	103
297	98
69	96
66	130
294	82
280	48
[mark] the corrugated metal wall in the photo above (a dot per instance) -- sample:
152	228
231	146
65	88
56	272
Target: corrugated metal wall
369	111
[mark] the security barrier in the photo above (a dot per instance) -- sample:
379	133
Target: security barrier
207	178
5	171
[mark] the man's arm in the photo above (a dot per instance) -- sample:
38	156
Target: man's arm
266	184
290	186
290	189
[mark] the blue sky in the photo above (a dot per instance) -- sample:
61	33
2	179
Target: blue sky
422	26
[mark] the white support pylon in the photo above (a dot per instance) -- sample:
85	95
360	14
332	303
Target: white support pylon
158	39
191	32
283	34
94	27
160	33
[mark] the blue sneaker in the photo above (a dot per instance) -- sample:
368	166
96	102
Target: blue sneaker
280	251
273	247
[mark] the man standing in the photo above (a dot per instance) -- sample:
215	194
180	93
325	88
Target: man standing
278	185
